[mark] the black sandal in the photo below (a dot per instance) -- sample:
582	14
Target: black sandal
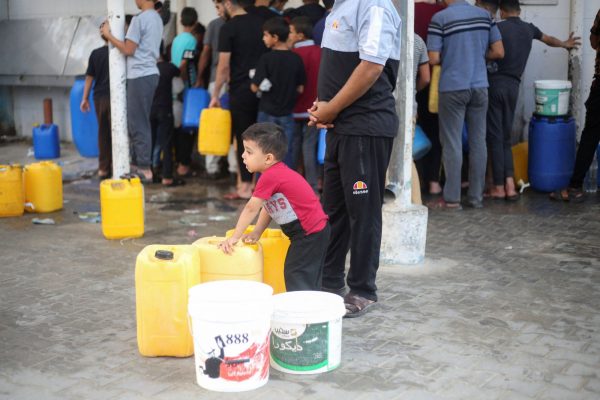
357	305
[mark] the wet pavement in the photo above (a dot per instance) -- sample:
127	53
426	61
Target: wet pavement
504	307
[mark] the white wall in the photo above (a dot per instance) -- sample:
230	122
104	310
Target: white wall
24	9
29	110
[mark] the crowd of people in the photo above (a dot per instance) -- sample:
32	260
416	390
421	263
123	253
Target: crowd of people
289	72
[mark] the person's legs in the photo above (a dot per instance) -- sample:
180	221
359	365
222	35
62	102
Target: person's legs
164	139
475	118
334	204
287	123
363	162
300	126
243	114
589	137
512	95
140	93
102	106
430	125
494	136
303	269
309	154
452	106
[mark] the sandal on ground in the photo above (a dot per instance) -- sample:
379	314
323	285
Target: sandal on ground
575	195
513	197
560	194
357	305
441	204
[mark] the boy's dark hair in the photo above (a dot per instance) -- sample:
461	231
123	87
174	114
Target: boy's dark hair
269	138
198	29
189	16
277	26
510	5
328	4
304	26
128	18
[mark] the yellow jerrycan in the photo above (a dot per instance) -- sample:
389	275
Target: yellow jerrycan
163	276
245	263
12	197
214	132
43	187
434	89
122	208
520	152
275	245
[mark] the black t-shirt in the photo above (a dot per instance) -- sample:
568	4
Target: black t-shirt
242	37
285	70
262	11
313	11
163	97
98	68
517	38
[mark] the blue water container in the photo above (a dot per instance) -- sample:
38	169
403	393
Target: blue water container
194	101
224	100
321	147
551	152
84	125
421	144
46	142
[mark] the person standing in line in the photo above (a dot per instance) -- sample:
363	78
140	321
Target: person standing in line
590	136
319	27
505	77
97	74
142	48
360	57
240	47
461	38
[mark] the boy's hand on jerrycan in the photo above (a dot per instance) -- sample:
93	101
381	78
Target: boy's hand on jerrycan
227	245
250	238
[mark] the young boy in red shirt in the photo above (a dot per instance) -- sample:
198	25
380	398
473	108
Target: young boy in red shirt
283	195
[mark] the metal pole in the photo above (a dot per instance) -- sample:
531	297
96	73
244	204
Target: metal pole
575	63
118	98
400	168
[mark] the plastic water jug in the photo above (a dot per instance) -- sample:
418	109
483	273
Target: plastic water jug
122	208
245	263
224	100
163	276
214	134
11	191
520	152
421	143
43	187
322	146
194	101
551	152
46	142
434	89
275	246
84	125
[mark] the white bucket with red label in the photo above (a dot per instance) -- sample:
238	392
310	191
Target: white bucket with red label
231	324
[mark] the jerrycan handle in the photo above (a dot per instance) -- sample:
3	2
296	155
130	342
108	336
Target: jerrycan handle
163	254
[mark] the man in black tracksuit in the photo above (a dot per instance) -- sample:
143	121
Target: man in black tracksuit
357	77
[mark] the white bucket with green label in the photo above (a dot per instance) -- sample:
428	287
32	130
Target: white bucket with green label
552	97
306	332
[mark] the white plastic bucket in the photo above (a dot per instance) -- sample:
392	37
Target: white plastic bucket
552	97
306	332
230	325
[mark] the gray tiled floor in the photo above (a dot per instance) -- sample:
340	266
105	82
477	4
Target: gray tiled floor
505	306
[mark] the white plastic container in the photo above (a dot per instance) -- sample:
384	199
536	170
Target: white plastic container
306	332
230	324
552	97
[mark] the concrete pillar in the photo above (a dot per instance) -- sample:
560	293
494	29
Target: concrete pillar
404	224
118	98
575	64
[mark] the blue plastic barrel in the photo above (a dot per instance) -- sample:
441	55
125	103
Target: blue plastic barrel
84	126
194	101
46	142
421	144
551	152
321	146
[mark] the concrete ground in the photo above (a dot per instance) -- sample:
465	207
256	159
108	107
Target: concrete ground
506	305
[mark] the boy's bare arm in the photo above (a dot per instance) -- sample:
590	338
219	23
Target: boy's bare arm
87	87
248	214
264	219
202	64
300	89
572	42
496	51
127	47
222	77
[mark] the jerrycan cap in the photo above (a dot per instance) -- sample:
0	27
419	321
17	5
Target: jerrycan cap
163	254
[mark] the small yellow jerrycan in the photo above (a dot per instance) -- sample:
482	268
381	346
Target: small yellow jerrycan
245	263
214	132
434	89
163	276
520	152
12	197
43	187
122	208
275	245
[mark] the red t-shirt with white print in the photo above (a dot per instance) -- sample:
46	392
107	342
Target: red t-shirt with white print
288	197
